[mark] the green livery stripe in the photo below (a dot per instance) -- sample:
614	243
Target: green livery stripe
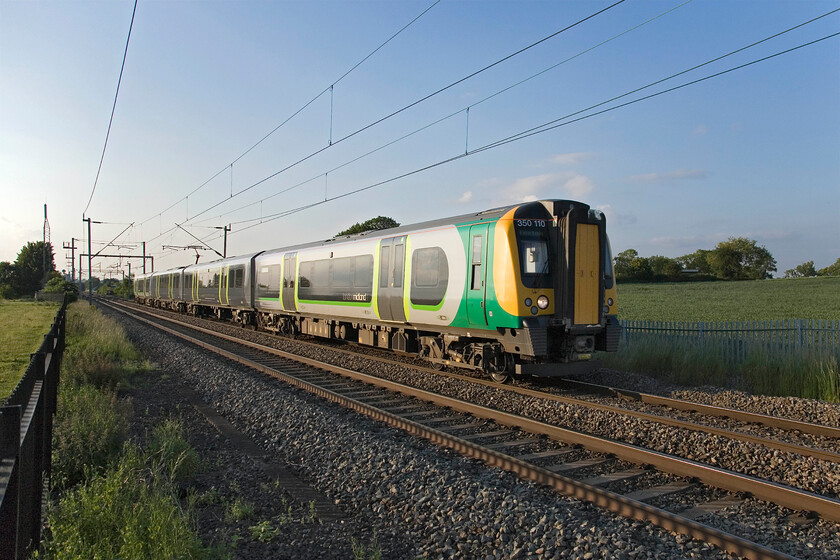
429	307
341	303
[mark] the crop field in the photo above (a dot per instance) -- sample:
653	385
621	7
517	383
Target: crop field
758	300
22	329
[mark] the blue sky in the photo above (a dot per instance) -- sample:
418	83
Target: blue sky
752	153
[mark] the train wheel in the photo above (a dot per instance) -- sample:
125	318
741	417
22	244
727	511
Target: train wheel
500	376
505	373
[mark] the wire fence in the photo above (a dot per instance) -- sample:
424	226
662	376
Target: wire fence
738	339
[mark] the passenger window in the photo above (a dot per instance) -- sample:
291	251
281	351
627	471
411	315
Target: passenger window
399	265
384	261
477	255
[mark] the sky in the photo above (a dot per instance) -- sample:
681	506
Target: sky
291	121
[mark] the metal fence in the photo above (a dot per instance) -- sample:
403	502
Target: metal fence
26	422
737	339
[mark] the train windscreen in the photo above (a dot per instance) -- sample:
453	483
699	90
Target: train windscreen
534	252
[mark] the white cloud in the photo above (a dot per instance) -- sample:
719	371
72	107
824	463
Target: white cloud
466	197
700	130
579	186
571	158
549	185
678	175
528	188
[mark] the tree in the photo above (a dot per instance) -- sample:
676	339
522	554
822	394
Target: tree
803	270
374	224
833	270
630	266
624	262
7	271
125	289
27	274
740	258
61	284
698	260
664	268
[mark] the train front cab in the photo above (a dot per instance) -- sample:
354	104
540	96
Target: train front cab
553	271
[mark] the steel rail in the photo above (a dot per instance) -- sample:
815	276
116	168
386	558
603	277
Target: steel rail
753	417
786	496
605	499
822	454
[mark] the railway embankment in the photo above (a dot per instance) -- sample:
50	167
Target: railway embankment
422	500
416	499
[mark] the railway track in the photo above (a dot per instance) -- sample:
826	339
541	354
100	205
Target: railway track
573	463
651	408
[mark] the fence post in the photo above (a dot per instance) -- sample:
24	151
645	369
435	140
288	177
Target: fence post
797	324
9	487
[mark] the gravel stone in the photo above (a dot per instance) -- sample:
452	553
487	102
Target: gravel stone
424	501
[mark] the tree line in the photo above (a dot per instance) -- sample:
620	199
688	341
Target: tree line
33	270
33	267
737	258
807	270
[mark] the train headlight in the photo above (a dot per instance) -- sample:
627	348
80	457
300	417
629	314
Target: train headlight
528	302
542	302
610	302
534	311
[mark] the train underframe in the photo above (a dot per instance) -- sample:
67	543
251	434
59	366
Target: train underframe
543	350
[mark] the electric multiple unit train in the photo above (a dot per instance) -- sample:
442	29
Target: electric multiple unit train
524	289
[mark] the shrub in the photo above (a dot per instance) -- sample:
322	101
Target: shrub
168	449
89	429
61	284
129	513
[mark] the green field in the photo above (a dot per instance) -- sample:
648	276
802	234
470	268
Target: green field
22	329
758	300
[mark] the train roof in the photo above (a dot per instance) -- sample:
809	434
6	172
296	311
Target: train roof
484	215
477	217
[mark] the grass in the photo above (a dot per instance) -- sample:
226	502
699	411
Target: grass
90	427
98	351
373	551
132	511
688	361
22	328
799	298
117	500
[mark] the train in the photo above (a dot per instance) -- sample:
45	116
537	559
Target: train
525	289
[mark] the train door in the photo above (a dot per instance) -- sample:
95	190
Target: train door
389	299
224	286
289	274
476	311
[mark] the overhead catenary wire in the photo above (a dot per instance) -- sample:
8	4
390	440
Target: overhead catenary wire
450	115
392	114
550	125
525	134
296	113
113	110
506	140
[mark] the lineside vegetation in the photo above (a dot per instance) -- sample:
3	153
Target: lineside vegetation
115	499
808	374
